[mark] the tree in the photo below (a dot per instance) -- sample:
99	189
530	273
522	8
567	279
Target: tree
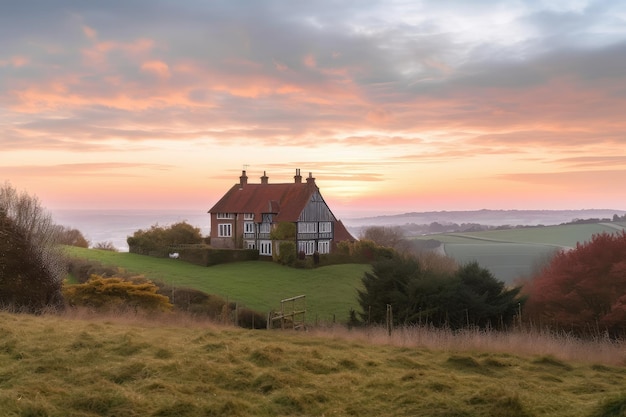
583	289
31	265
471	296
157	240
486	301
71	237
389	237
105	246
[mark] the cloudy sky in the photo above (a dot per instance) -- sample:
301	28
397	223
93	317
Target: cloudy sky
393	105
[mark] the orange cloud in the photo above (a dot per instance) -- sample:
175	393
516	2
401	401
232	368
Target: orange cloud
158	68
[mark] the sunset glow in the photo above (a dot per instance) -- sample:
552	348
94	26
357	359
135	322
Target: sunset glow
393	106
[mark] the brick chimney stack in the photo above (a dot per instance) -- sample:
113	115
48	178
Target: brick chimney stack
310	180
264	178
243	180
298	178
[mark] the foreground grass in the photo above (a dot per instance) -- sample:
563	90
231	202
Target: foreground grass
65	366
330	291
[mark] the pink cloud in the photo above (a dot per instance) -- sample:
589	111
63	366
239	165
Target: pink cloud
158	68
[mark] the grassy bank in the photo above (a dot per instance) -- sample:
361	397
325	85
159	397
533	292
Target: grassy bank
330	291
69	366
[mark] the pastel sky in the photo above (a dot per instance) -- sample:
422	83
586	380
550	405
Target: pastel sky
393	105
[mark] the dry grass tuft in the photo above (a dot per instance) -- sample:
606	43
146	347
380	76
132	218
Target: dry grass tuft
563	347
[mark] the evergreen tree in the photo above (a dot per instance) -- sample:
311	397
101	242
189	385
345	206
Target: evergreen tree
470	296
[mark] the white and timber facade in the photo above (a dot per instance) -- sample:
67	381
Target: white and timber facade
246	215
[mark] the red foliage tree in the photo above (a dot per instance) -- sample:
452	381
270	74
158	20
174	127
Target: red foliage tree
583	289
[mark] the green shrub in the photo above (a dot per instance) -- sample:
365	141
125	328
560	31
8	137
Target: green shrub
287	253
283	231
157	240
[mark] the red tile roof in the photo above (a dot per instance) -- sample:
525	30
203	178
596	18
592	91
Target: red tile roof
341	233
285	201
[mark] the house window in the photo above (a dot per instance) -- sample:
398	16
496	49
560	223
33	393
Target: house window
326	227
248	216
264	228
306	246
307	227
250	244
265	247
323	246
224	216
225	230
248	227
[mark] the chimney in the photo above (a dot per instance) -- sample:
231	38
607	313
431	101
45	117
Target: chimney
243	180
297	178
264	178
310	180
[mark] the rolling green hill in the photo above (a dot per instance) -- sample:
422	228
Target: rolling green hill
515	253
330	290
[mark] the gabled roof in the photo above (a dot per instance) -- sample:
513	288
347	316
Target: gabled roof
341	233
285	201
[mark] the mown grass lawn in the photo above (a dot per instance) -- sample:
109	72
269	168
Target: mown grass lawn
330	290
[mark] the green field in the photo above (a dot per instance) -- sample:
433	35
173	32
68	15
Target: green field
330	290
516	253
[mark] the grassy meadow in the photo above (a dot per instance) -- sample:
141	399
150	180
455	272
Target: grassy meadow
73	365
516	253
330	290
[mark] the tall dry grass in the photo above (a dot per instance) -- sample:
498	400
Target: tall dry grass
563	346
519	342
77	363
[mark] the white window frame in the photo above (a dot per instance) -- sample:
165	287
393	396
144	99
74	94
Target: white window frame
250	244
306	246
307	227
248	216
326	227
265	228
265	247
225	230
323	246
248	227
225	216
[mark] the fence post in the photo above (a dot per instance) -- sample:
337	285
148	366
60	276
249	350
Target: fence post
389	319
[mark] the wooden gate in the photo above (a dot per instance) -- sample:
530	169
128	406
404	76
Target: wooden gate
292	314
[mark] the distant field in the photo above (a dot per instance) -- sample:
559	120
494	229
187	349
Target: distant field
330	291
513	253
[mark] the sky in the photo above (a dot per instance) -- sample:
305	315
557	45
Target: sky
393	105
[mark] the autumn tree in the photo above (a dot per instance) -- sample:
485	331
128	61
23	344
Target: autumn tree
584	289
31	265
71	237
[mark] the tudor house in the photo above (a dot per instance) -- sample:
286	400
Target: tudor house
245	216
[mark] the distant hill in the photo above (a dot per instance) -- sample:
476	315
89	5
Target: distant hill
485	217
